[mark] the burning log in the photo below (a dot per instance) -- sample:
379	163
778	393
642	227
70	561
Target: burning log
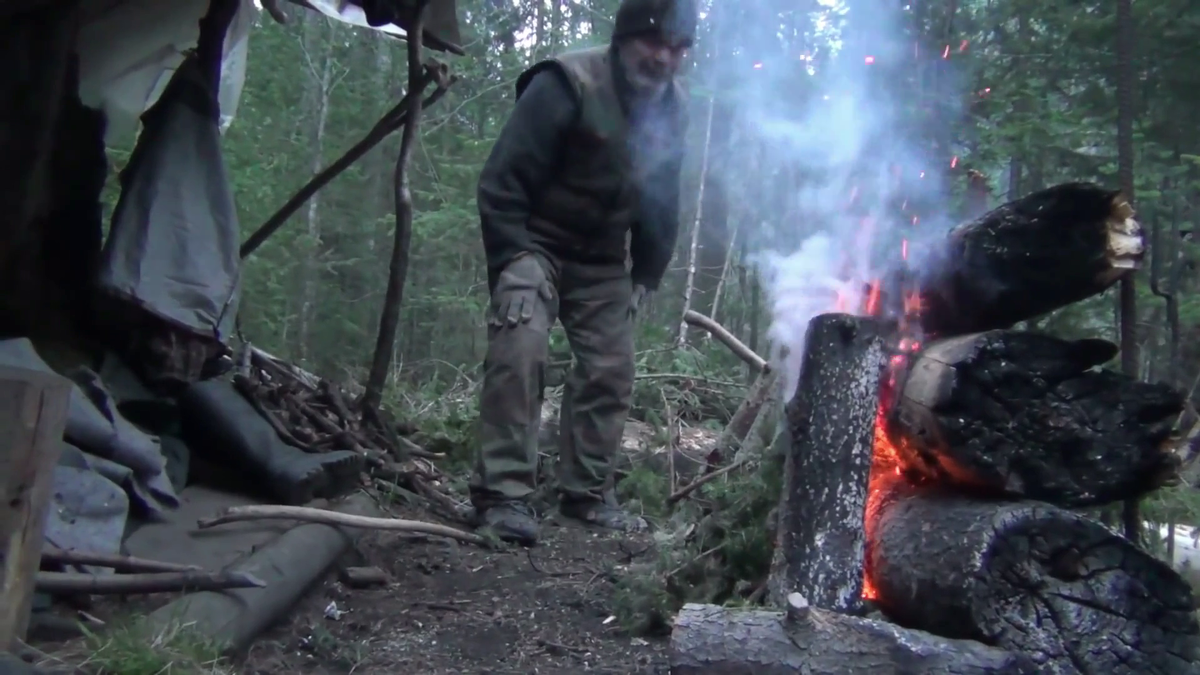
819	551
711	640
1030	256
1031	578
1023	414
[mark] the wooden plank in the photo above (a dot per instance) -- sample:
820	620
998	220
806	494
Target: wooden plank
33	414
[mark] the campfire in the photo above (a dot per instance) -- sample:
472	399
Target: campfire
927	519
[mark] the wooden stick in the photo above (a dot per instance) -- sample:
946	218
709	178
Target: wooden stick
393	296
724	336
392	120
119	563
68	583
33	414
306	514
702	480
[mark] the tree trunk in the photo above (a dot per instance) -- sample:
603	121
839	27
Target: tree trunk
1128	291
389	320
693	247
723	281
319	41
1031	578
831	419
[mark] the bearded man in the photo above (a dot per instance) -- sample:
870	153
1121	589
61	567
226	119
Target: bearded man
579	206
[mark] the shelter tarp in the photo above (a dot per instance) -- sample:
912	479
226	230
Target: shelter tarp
128	49
173	247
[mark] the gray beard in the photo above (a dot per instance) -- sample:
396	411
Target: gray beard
645	89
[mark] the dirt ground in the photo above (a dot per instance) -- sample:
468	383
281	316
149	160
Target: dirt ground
456	609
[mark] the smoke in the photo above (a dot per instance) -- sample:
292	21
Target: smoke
824	112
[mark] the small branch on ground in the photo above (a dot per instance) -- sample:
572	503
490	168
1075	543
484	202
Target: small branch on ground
118	563
310	515
703	480
68	583
725	337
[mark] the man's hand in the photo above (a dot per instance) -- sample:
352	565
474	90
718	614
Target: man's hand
640	294
520	286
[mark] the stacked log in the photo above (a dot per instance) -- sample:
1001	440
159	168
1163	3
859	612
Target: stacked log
985	437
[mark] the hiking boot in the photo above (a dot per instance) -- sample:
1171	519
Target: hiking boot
602	514
512	521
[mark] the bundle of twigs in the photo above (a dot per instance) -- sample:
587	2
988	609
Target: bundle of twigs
316	415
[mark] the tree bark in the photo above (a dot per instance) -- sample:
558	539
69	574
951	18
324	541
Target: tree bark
819	549
711	640
1019	414
1028	577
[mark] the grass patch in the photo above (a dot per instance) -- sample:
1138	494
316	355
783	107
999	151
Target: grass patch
134	648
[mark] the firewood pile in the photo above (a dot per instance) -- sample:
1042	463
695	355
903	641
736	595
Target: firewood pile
316	415
927	520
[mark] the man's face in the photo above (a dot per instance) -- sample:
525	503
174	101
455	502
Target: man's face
650	62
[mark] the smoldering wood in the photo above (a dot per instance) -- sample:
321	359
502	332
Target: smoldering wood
1023	414
831	419
1046	250
713	640
1031	578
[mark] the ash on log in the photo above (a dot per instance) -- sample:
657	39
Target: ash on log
1030	256
1022	414
1031	578
831	419
712	640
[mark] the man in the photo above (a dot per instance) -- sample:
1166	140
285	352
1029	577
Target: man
584	174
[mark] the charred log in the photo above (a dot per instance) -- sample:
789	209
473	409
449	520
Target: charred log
1028	577
1024	415
1030	256
711	640
819	550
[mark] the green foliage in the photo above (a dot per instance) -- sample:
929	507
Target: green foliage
131	647
715	547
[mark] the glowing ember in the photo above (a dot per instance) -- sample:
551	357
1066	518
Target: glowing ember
870	60
886	459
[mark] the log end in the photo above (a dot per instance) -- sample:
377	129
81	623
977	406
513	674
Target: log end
1030	578
1126	240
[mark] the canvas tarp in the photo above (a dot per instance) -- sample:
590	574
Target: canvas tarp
128	50
173	245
